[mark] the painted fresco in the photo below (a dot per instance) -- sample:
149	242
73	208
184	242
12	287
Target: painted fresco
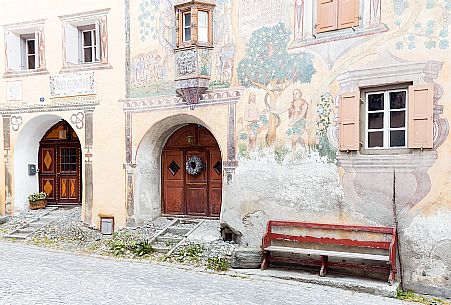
287	119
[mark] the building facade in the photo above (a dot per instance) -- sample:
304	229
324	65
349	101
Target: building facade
329	111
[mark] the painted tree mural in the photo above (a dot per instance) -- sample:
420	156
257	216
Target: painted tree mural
267	65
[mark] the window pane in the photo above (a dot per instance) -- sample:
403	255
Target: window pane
30	46
87	38
375	120
376	139
375	102
397	138
31	62
187	20
398	100
203	34
397	119
88	54
187	35
203	19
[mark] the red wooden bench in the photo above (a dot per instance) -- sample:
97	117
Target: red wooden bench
352	248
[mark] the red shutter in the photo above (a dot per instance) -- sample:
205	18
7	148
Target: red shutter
349	121
326	15
348	13
421	104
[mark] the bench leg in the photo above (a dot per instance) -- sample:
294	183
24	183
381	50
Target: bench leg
391	278
324	260
265	262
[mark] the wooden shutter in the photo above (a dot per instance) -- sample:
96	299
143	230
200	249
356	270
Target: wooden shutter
36	49
326	15
13	52
349	121
420	127
348	13
97	37
72	44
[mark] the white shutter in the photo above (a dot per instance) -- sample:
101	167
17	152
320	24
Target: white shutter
72	44
98	42
13	52
36	49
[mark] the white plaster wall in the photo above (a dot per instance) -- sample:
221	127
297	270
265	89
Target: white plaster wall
26	152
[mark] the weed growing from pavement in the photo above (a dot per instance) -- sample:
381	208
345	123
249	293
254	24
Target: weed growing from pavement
411	296
218	263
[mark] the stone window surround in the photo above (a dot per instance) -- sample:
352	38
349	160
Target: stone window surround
27	27
305	35
83	18
404	72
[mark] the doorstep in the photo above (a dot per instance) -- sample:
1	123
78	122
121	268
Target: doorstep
375	287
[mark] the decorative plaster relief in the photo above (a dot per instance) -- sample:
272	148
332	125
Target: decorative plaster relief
16	121
14	90
72	84
78	119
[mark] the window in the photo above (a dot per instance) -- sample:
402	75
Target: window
393	118
82	44
186	27
194	24
386	119
89	45
85	41
202	20
337	14
23	51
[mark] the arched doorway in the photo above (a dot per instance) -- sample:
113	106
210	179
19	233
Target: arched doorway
185	193
60	165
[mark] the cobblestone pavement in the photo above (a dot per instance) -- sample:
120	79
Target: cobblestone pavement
35	276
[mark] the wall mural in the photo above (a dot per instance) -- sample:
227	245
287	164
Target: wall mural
268	66
431	32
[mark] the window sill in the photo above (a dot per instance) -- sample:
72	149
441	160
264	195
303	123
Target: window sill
338	35
25	73
85	67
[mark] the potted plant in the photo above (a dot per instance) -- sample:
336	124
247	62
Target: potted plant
37	200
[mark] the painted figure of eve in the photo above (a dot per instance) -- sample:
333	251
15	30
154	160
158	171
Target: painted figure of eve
297	115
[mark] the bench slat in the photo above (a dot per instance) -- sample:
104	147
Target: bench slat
325	226
331	241
365	256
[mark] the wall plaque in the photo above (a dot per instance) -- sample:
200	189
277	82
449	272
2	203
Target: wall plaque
72	84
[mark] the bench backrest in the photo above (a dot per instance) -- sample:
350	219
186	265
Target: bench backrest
375	244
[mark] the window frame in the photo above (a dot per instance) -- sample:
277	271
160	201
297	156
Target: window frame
26	53
185	27
95	44
386	149
207	27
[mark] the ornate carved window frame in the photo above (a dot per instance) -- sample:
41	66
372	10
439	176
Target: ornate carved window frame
36	28
97	18
193	6
305	21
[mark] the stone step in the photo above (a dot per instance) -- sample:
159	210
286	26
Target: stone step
17	235
27	230
161	249
178	230
169	239
37	224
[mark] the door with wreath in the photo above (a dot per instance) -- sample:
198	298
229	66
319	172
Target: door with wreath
192	173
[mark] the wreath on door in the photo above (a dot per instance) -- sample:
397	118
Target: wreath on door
194	166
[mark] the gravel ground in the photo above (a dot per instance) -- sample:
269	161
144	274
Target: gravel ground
69	233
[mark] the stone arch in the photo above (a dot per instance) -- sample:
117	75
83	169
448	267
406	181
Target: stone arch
25	152
147	192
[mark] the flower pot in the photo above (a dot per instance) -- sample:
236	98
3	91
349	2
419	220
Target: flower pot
39	204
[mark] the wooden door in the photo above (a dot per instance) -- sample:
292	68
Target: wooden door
196	187
215	186
47	172
173	182
186	194
60	165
